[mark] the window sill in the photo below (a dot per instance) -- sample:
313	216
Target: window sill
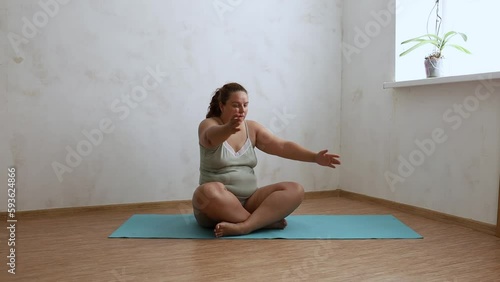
442	80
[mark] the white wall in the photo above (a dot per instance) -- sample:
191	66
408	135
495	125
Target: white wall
5	157
380	128
66	78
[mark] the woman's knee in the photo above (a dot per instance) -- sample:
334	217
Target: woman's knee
207	193
295	188
203	220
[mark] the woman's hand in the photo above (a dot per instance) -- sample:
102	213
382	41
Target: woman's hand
324	159
234	124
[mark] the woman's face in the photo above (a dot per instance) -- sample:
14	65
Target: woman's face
237	104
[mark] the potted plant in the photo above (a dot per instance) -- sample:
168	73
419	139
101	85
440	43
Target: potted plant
434	61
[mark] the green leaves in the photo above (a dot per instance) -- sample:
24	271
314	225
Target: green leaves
421	43
439	42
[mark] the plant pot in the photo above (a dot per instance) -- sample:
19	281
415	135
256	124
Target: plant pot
434	67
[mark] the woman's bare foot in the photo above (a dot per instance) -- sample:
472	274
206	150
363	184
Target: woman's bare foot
277	225
229	229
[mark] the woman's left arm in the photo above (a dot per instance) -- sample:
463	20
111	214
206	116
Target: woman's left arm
269	143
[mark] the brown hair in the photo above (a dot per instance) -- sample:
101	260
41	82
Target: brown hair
222	95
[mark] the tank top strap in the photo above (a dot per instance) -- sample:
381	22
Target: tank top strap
246	127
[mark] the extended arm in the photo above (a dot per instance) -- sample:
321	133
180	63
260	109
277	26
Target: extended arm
269	143
212	134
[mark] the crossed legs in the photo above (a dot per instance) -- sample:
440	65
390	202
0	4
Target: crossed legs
214	206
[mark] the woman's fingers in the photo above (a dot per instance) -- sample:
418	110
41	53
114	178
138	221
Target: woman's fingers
322	152
235	122
335	160
325	159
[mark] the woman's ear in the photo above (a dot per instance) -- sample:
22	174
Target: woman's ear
221	106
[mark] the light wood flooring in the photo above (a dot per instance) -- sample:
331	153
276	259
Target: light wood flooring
75	247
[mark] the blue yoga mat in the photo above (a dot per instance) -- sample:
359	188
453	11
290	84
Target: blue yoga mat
299	227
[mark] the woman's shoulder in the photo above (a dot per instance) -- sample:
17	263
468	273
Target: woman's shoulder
253	123
211	121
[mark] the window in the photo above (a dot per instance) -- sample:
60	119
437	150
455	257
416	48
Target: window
478	19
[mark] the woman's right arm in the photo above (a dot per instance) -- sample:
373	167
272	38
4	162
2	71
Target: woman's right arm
211	134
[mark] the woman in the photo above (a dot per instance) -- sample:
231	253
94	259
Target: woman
228	199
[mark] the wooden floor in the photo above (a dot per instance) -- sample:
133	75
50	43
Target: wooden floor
76	248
